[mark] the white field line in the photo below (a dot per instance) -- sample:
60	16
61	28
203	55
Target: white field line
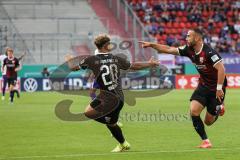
122	153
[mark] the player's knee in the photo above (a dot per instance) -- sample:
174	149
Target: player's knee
208	123
194	112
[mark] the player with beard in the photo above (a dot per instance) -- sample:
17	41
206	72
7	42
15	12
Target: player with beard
211	89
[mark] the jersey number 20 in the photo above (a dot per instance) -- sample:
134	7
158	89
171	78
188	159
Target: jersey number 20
111	71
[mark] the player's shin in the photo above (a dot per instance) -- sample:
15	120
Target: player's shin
199	127
4	87
11	96
17	92
116	132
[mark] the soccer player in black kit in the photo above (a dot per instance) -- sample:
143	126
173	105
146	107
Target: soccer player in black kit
106	67
211	89
13	66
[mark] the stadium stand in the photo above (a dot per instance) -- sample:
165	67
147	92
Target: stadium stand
169	20
48	29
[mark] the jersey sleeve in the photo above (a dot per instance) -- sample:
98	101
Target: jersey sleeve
123	63
183	50
4	62
17	62
214	57
85	63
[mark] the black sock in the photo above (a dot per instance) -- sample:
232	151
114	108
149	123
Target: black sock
16	91
11	95
199	127
117	133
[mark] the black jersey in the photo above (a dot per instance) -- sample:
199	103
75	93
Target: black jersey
106	69
11	65
204	62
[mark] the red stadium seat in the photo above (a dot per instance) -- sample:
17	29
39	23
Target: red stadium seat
169	25
158	37
141	14
205	14
182	25
235	36
205	25
229	13
167	30
219	24
164	37
194	24
179	13
179	30
176	25
178	36
174	31
188	25
185	13
184	19
217	30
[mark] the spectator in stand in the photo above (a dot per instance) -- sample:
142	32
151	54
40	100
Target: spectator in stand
148	27
237	46
182	6
144	4
211	25
161	28
224	30
220	19
165	17
237	27
147	18
154	28
170	40
172	6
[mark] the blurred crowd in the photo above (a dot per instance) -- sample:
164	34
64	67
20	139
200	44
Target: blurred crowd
169	20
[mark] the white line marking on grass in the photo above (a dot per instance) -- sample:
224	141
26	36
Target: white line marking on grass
122	153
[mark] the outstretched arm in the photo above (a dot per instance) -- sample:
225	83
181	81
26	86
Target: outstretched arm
22	56
19	67
160	48
140	65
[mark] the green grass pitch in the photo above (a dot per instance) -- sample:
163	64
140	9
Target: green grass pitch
30	130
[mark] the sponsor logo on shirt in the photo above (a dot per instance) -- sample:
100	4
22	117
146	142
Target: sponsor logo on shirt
201	67
214	58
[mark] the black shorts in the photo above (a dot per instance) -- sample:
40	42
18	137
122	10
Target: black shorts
207	98
12	81
108	107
